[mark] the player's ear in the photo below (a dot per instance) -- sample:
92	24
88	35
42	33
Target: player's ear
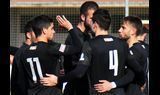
133	31
28	35
44	30
95	24
83	17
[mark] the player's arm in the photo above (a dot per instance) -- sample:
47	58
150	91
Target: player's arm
56	48
62	49
78	72
18	80
129	74
127	78
72	30
134	65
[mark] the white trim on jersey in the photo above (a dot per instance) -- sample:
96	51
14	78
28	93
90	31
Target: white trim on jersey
143	46
62	48
131	52
82	57
108	39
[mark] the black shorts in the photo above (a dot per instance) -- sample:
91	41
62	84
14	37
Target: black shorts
44	91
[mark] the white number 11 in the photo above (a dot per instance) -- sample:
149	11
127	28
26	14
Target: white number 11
38	66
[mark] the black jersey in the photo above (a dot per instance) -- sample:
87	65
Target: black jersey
41	58
140	54
109	55
71	60
18	82
70	63
104	58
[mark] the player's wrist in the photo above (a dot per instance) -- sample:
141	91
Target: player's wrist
113	85
69	28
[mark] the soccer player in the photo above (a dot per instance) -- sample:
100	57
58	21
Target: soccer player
103	58
13	51
41	58
142	37
130	29
18	86
84	33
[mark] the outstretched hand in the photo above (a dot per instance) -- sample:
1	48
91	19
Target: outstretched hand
64	22
50	80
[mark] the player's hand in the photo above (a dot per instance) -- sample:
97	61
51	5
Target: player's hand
143	87
64	22
50	80
11	58
103	86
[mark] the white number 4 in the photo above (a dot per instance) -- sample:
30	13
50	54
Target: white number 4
113	61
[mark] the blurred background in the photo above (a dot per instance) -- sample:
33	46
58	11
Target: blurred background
22	11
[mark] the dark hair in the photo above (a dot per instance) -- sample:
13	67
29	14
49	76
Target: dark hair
41	22
135	22
88	5
102	18
144	30
28	28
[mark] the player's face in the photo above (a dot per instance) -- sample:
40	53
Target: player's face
88	18
51	32
124	31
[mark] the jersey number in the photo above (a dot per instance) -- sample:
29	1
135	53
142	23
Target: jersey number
113	61
38	66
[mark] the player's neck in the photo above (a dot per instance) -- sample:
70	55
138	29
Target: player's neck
132	40
28	41
81	26
101	32
42	39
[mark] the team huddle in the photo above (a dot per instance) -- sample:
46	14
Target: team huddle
91	61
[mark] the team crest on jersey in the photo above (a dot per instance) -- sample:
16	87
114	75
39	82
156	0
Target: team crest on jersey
108	39
33	48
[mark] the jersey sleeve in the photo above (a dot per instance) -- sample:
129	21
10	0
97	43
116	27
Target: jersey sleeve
82	65
137	68
128	75
76	39
127	78
64	49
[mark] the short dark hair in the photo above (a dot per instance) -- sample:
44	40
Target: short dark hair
144	30
135	22
41	22
88	5
28	28
102	18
